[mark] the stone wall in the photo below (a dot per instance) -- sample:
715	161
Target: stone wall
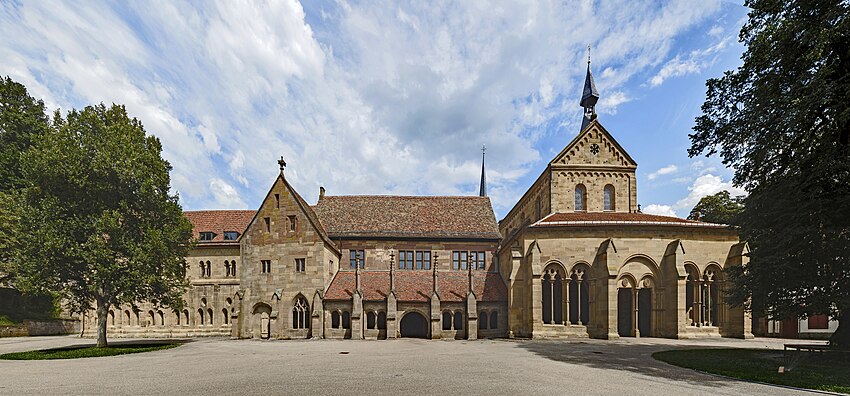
41	328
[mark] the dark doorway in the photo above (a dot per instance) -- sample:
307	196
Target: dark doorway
789	328
645	312
624	312
414	325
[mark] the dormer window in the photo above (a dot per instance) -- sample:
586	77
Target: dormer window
206	236
231	235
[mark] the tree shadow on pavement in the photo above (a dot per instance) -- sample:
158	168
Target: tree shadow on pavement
612	355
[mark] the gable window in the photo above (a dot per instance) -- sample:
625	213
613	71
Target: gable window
267	266
231	235
580	198
292	221
277	201
355	256
608	198
268	222
300	265
207	236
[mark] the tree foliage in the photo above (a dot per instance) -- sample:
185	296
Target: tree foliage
719	208
782	121
96	219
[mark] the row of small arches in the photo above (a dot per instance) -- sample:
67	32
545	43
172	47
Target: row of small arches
206	268
204	317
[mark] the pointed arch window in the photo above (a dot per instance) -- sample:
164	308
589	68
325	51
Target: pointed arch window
301	314
608	198
581	197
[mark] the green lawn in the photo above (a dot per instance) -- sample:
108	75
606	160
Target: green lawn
828	371
75	353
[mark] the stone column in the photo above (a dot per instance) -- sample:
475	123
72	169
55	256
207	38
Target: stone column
567	321
578	303
635	293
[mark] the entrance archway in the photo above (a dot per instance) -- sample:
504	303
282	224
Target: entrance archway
414	325
262	319
645	312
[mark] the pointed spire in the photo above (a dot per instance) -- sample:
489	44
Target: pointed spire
482	192
589	95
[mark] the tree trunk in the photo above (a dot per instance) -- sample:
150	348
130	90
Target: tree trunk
841	338
102	313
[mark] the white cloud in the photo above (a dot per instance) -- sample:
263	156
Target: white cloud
694	62
703	186
663	171
661	210
361	98
225	195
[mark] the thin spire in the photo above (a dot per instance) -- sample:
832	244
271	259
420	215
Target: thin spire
482	192
589	95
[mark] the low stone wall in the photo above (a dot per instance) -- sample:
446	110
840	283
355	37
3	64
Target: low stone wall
41	328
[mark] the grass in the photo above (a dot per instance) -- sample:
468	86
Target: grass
85	352
6	321
827	371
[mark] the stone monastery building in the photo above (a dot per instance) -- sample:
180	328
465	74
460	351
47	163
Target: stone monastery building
575	257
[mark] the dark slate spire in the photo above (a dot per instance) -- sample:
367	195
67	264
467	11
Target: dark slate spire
589	96
482	192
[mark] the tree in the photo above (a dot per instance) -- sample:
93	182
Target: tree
22	121
97	222
719	208
782	121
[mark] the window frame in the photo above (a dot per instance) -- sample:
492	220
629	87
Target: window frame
353	255
231	235
206	236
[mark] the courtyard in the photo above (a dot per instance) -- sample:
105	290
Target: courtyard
405	366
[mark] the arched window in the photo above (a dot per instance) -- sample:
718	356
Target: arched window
335	320
177	316
301	314
201	316
552	294
227	267
370	320
126	318
203	269
580	197
482	321
447	320
185	317
608	198
233	268
382	320
111	318
161	316
494	320
578	311
210	316
458	320
209	269
224	316
346	320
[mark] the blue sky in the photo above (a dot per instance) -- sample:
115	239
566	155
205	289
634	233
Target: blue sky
385	97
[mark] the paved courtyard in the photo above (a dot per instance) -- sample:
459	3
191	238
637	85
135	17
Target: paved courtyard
401	367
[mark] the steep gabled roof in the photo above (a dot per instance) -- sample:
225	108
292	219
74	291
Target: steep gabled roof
562	158
408	216
219	221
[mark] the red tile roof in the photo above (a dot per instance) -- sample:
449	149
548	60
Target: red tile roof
618	218
219	221
416	286
400	216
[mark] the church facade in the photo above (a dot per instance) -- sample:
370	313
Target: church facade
574	257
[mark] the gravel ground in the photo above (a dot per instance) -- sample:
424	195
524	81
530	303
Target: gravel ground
401	367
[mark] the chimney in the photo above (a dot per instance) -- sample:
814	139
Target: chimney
321	192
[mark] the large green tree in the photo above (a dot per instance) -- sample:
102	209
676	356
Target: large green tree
782	121
97	221
720	208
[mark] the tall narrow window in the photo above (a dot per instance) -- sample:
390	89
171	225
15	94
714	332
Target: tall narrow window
608	197
581	193
455	260
227	267
209	269
300	265
268	223
355	256
267	266
480	261
464	259
233	268
301	314
346	320
292	222
458	320
277	201
426	260
335	320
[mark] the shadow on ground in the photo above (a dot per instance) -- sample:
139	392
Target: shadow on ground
635	358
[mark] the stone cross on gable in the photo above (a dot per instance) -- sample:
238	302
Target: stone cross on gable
282	163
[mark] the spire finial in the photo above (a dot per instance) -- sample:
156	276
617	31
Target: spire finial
589	96
282	163
588	54
482	191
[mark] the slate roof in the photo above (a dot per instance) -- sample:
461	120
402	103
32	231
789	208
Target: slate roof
219	221
619	219
408	216
416	286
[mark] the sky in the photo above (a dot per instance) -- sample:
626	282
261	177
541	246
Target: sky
383	97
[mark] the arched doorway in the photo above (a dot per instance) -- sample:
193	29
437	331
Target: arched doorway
624	311
414	325
262	319
645	312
